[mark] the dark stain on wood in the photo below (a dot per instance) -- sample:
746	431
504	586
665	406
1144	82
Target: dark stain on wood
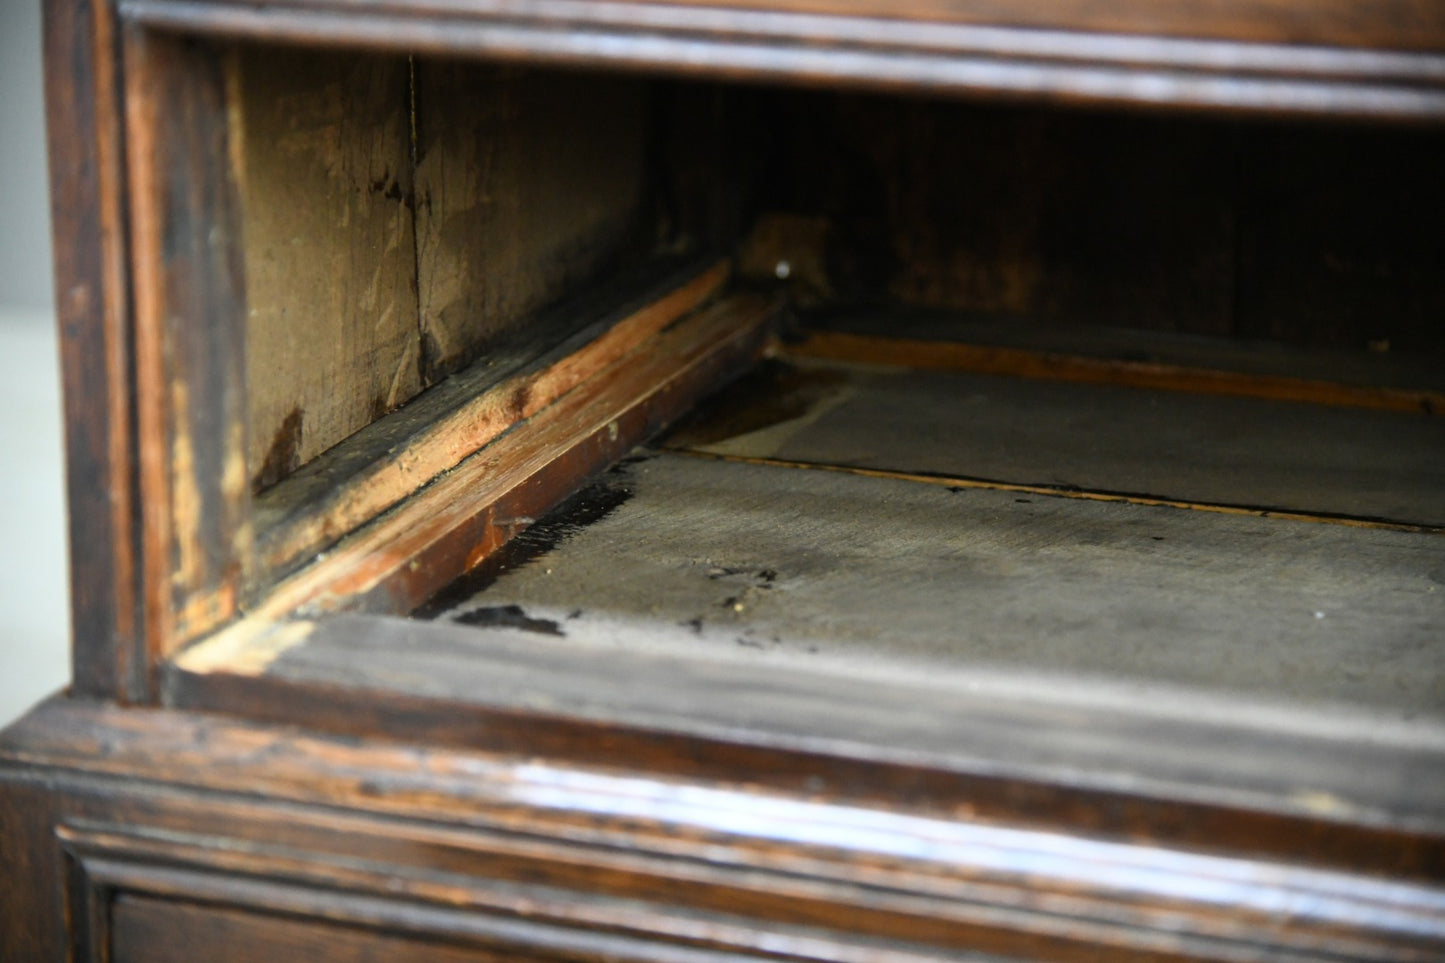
772	393
284	455
587	507
507	617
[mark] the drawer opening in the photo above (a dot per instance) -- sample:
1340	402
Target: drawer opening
1030	419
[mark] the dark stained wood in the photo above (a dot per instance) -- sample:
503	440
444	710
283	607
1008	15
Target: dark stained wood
1143	53
1110	219
1339	242
326	187
576	861
33	910
1176	447
527	183
738	705
188	274
1308	235
1403	23
93	311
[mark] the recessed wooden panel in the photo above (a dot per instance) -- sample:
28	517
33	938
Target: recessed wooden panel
147	930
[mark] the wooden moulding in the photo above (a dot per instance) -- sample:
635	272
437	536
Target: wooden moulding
465	845
357	481
1157	376
1270	57
590	409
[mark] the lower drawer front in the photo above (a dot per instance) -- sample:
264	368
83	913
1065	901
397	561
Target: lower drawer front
148	930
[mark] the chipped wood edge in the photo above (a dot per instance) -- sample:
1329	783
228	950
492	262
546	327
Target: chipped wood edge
457	435
246	648
1158	376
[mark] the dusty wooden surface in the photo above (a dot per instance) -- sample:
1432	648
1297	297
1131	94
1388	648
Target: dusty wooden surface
375	265
780	565
331	329
1094	731
1228	451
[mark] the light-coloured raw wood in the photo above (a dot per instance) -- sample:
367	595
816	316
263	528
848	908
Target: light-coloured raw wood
325	162
526	183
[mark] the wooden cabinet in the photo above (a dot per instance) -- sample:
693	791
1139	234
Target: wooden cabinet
705	481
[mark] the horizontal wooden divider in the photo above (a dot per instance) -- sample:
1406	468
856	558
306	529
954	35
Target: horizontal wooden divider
1059	366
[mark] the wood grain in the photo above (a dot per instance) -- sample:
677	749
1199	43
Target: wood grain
1313	236
527	183
325	169
93	311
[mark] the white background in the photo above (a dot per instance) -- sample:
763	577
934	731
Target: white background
34	614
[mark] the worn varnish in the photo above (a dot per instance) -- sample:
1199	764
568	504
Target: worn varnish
834	570
556	858
189	337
